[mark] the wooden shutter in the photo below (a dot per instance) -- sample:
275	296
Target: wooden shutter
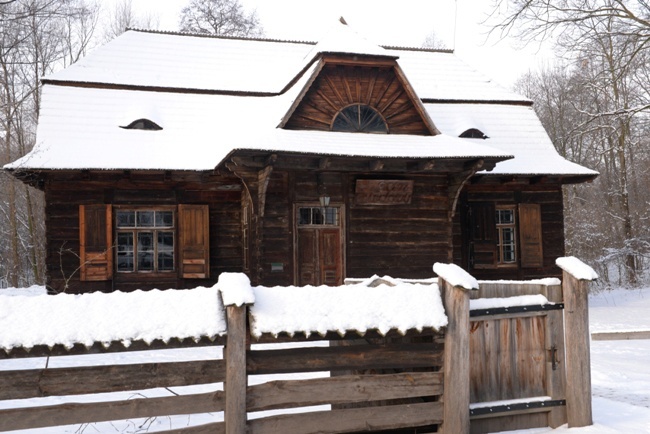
95	242
194	240
483	235
530	235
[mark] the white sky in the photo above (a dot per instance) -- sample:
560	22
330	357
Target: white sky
386	22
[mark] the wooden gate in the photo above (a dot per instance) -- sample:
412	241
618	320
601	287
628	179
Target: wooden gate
517	373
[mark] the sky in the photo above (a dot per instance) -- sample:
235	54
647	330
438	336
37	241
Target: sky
459	23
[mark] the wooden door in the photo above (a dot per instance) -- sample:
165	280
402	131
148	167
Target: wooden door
319	247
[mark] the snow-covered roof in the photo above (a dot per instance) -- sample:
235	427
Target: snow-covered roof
214	95
514	129
167	60
79	128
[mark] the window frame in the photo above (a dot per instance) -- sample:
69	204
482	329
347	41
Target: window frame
500	229
355	124
135	230
313	208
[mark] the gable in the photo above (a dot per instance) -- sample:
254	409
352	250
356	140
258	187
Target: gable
379	85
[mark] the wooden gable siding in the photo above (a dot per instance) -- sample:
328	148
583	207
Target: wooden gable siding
550	200
339	86
65	191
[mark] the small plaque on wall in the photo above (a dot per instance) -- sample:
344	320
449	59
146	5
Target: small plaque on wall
383	192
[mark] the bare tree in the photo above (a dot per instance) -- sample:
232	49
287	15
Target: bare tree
220	17
607	42
122	17
36	37
433	41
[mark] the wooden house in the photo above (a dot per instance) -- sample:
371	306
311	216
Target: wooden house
167	159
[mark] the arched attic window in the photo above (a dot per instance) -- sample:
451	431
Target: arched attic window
359	118
143	124
473	133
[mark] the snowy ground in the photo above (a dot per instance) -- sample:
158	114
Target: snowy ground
620	375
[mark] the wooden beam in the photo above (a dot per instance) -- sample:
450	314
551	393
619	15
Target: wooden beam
34	383
351	419
73	413
426	165
342	358
343	390
376	165
324	163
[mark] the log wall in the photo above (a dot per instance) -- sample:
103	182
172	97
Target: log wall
396	239
64	192
548	196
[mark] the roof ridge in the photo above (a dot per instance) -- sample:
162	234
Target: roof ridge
278	40
211	36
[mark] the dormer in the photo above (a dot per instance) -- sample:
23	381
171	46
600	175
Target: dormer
357	87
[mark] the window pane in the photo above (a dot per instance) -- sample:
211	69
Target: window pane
331	216
165	261
317	216
125	219
145	241
145	219
164	219
505	216
304	216
125	251
145	251
165	241
145	261
124	261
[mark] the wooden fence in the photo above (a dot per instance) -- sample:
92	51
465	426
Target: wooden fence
423	381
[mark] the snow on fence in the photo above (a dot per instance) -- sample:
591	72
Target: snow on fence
393	380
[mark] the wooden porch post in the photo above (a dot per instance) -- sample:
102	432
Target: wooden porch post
575	284
453	284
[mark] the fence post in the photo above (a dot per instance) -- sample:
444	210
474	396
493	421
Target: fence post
454	284
235	384
236	293
575	285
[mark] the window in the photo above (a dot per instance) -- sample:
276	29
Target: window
506	239
473	133
161	239
143	124
504	235
359	118
318	216
145	240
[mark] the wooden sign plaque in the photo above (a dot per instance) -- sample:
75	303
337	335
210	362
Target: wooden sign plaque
383	192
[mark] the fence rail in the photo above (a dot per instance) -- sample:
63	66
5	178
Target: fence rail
378	382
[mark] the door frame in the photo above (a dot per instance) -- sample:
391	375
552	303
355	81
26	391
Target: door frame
342	232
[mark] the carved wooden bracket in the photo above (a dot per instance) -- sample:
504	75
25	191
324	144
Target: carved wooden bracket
457	182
